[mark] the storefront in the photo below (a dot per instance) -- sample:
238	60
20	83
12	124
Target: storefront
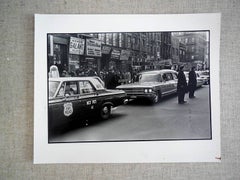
76	54
57	52
125	61
114	62
106	55
93	55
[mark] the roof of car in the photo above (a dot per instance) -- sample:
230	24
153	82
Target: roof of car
72	78
158	71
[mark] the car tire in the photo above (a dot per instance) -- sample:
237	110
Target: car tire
157	98
105	112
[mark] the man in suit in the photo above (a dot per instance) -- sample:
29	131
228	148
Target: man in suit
181	86
192	83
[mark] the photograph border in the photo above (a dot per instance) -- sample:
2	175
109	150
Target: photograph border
134	151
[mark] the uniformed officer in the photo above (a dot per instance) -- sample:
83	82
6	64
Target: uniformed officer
192	83
181	86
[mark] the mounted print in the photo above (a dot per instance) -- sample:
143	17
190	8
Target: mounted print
127	88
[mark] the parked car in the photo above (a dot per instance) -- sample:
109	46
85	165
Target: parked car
204	75
200	81
74	98
152	85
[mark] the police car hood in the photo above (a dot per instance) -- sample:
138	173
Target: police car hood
139	85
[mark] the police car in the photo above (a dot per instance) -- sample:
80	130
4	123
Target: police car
76	98
152	85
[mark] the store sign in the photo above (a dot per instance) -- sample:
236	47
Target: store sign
125	54
76	46
93	48
115	54
106	49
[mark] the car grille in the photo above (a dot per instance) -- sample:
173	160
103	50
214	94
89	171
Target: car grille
133	91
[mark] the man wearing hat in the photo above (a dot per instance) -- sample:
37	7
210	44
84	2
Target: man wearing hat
181	86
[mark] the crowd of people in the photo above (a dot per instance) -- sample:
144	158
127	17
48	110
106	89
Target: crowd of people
112	78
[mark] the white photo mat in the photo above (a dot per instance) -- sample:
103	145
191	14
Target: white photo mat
123	152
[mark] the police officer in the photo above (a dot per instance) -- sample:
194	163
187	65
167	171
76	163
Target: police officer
181	86
192	83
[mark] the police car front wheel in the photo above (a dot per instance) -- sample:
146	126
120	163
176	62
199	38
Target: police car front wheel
105	112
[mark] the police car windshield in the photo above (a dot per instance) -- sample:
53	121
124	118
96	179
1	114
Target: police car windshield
148	78
53	85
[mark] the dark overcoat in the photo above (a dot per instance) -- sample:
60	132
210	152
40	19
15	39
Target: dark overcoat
192	83
182	83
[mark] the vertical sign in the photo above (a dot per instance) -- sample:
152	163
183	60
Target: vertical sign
76	46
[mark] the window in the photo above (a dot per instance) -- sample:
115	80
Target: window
61	90
193	48
71	88
114	39
101	37
109	38
120	40
129	42
174	76
53	86
86	87
167	77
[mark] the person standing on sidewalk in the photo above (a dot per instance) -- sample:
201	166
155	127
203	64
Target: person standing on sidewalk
192	83
181	86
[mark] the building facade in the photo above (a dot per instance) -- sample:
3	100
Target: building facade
110	51
196	47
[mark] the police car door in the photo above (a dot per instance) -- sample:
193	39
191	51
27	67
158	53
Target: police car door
64	107
88	96
72	104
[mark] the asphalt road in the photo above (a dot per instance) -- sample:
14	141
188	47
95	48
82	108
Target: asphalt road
139	120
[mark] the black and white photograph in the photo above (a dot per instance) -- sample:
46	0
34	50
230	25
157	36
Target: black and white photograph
127	88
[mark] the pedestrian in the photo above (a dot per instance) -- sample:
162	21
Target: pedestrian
65	74
192	82
111	79
91	72
181	86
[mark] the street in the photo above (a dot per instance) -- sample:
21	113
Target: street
139	120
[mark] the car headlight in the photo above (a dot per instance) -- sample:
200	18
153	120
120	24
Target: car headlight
148	90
